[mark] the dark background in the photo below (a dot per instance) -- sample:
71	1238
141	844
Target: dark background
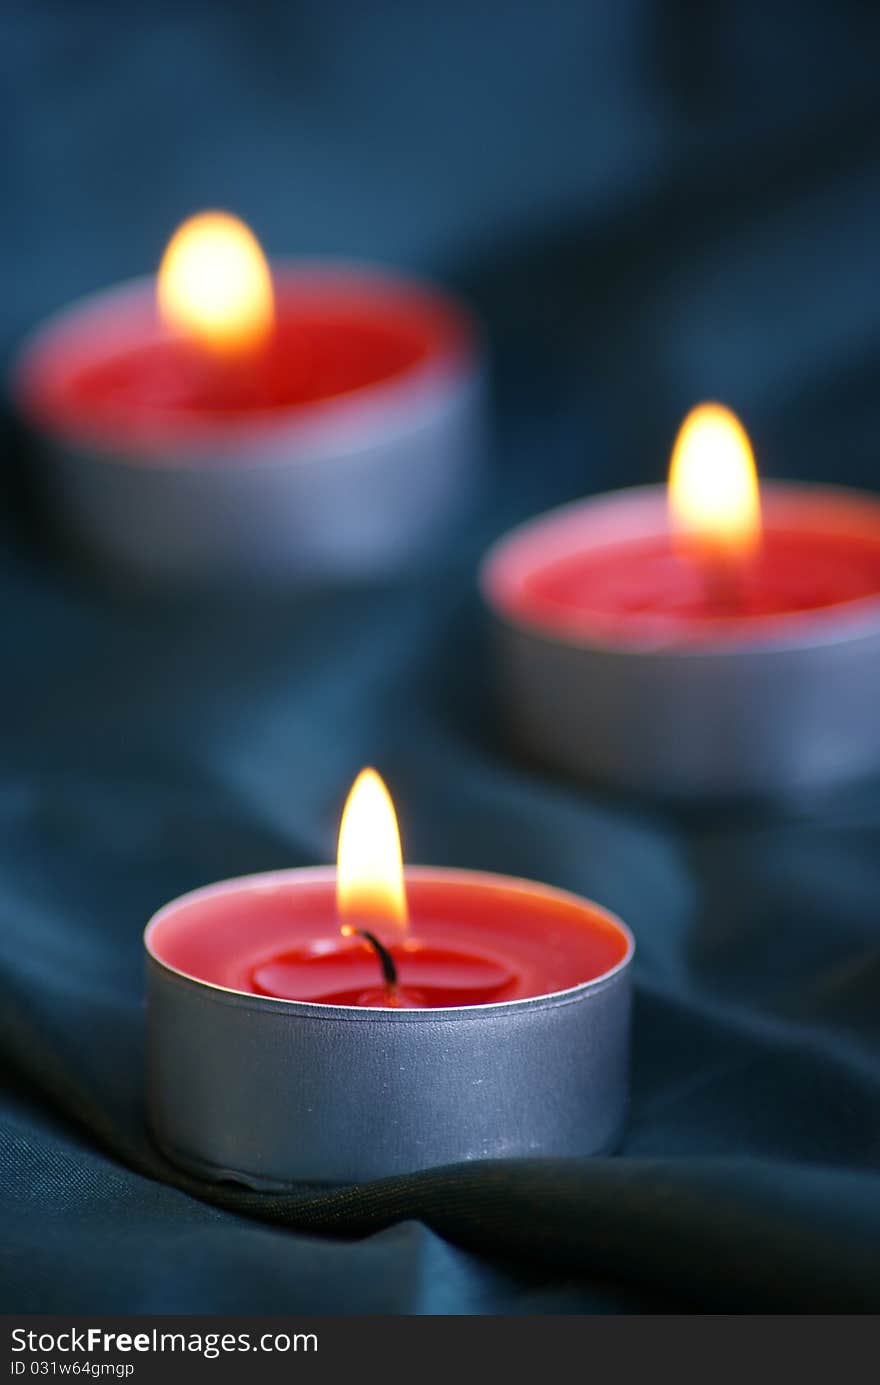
649	203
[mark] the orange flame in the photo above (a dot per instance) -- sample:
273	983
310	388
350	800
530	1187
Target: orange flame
369	879
214	284
713	482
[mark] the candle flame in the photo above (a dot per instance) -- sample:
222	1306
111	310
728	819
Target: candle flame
214	284
369	878
713	482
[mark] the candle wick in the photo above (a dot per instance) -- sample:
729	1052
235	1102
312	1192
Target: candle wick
722	587
386	961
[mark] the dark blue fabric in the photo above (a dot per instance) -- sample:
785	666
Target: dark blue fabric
649	203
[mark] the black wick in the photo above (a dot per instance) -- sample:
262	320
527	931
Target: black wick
386	961
722	587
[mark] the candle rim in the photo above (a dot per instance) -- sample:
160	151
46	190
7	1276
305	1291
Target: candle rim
765	636
181	438
314	1009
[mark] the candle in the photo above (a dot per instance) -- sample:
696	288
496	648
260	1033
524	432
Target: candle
338	1025
232	420
714	641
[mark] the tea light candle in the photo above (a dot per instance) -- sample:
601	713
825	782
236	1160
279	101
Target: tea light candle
332	1026
719	641
228	421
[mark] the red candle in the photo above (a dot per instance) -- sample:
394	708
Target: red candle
714	640
328	1025
232	418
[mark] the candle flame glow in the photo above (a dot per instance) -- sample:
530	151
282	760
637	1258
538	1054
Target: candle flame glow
369	879
214	284
713	482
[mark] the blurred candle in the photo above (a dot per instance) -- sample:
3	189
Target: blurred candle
235	421
715	639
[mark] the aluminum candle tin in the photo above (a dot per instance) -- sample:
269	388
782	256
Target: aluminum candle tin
348	486
764	716
272	1092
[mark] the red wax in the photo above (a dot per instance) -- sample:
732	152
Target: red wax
473	940
108	371
348	973
611	571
